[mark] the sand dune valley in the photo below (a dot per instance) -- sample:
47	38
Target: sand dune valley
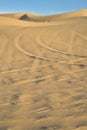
43	71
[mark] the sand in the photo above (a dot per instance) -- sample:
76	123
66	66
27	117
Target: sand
43	71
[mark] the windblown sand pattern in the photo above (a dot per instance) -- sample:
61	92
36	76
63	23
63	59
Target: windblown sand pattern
43	71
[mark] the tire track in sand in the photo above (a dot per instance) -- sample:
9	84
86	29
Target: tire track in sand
29	54
63	77
55	50
71	45
42	58
71	62
68	55
18	46
71	52
26	68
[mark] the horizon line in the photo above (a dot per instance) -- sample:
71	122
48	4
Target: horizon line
32	12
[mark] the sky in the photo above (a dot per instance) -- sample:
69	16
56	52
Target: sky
44	7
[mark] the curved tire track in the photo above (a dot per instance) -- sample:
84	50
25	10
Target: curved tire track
18	46
30	54
58	51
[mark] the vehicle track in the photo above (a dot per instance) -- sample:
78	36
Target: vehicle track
18	46
30	54
59	51
64	77
71	62
26	68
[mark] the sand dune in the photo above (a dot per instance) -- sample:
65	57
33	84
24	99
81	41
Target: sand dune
43	71
50	18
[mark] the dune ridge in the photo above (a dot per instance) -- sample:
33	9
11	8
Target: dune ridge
50	18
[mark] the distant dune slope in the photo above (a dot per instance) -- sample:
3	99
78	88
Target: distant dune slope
37	18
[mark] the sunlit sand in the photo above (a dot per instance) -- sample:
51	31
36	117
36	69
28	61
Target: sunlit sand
43	71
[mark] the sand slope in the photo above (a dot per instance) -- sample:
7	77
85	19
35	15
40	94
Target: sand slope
50	18
43	72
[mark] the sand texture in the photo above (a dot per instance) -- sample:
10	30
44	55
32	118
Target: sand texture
43	71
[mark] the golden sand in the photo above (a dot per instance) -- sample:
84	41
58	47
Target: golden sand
43	71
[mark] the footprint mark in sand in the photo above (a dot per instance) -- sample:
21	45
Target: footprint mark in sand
14	99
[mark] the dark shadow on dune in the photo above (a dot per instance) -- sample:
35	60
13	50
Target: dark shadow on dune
24	17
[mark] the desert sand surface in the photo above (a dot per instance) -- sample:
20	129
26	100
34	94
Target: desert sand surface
43	71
